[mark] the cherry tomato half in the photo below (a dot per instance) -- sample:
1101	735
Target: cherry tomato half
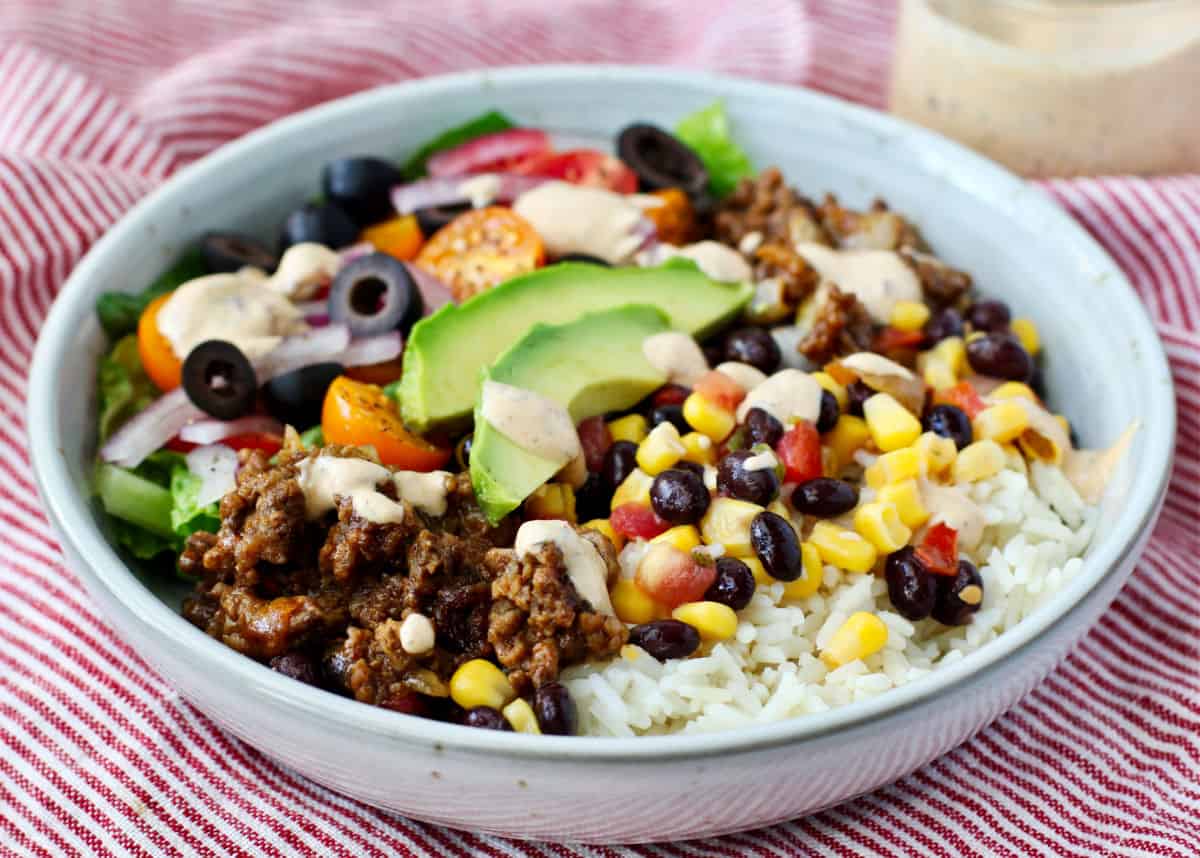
399	237
359	414
589	167
480	249
158	357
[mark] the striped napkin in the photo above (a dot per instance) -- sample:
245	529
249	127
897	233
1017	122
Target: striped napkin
100	102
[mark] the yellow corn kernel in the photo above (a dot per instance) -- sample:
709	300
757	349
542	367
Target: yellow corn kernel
1013	390
480	683
830	466
848	435
810	579
629	652
902	464
1026	331
880	524
685	537
603	525
842	548
521	718
778	507
632	603
973	336
700	449
937	452
1002	422
631	427
910	315
551	500
892	425
828	382
1063	422
905	496
978	461
714	621
952	350
661	449
727	523
633	489
761	578
935	371
708	418
862	634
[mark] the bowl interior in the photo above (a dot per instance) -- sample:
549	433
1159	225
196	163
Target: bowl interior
1103	365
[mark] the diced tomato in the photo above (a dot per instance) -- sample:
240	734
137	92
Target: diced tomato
177	445
595	438
670	394
800	452
893	339
962	395
939	550
489	153
265	441
589	167
635	521
671	577
720	390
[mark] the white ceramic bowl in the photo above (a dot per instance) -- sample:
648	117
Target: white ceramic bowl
1104	367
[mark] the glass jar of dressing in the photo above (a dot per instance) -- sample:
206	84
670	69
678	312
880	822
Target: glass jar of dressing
1056	87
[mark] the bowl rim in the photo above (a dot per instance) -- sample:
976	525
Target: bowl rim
69	507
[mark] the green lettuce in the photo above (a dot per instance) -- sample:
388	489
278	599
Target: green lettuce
707	132
119	311
488	123
124	388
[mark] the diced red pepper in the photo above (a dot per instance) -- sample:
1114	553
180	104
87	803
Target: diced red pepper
893	339
720	389
670	394
964	395
268	443
939	550
595	438
635	521
800	452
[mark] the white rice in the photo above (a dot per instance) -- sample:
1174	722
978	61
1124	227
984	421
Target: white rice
1038	529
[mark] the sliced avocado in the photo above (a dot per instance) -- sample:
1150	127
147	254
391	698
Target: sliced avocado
591	365
446	352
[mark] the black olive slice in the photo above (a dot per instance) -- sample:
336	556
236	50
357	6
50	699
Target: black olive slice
219	380
230	251
375	294
661	160
431	219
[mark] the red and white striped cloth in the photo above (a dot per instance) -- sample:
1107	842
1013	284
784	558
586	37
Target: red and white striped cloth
99	102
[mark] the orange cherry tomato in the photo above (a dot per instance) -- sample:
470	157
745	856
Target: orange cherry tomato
399	237
377	373
673	216
158	358
480	249
359	414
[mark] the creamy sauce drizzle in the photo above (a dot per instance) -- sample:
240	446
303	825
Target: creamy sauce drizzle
951	506
745	376
325	478
481	190
303	269
230	307
878	278
1090	470
576	219
716	260
531	421
585	567
787	395
425	491
675	355
417	635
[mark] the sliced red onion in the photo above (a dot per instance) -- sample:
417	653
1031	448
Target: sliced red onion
444	191
369	350
216	466
318	345
211	431
149	430
434	293
476	155
354	251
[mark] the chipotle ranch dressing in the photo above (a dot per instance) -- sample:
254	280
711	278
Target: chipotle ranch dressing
585	567
1055	87
715	260
531	421
427	492
878	278
1090	470
951	506
324	478
675	355
577	219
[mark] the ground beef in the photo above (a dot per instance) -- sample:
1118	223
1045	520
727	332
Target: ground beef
355	546
260	628
942	284
767	206
842	326
780	260
875	229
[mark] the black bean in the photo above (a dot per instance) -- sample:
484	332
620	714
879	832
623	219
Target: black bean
713	353
555	709
296	665
951	422
734	585
486	718
669	414
409	703
679	496
944	324
619	462
910	585
1000	355
759	486
958	598
695	467
776	545
592	499
665	639
762	427
830	412
856	394
824	497
989	315
754	346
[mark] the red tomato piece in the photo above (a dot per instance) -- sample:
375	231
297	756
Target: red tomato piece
964	396
720	390
595	438
588	167
939	550
635	521
177	445
670	394
894	339
489	152
800	452
265	441
671	577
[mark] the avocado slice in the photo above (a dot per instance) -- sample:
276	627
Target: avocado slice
591	365
446	351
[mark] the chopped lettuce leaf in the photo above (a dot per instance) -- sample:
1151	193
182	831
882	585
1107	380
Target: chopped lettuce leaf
707	132
313	437
187	516
488	123
119	311
124	388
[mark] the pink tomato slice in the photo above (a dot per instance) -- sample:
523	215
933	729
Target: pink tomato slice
489	153
588	167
